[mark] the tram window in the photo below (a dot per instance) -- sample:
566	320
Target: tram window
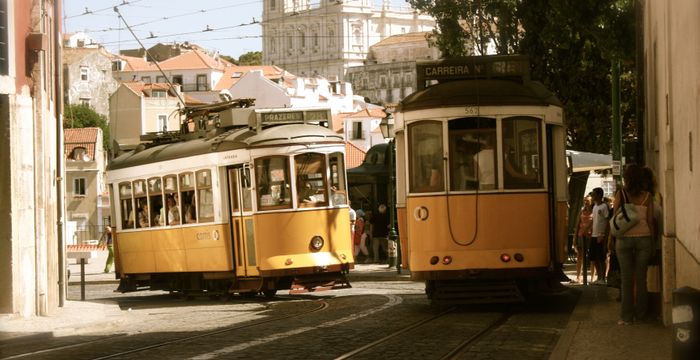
127	206
272	179
172	208
188	206
311	179
155	199
425	156
247	191
472	160
338	191
522	160
141	198
205	196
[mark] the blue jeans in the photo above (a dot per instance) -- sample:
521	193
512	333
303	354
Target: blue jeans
633	254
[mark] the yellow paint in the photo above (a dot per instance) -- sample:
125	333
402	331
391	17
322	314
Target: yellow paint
479	229
289	234
175	249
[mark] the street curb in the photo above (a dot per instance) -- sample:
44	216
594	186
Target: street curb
581	311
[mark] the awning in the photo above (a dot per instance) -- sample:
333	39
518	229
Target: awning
578	161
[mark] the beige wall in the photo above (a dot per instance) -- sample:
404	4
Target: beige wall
673	133
125	113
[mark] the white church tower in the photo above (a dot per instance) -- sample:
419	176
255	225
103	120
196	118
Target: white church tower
325	37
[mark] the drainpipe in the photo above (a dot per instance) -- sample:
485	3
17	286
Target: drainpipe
58	106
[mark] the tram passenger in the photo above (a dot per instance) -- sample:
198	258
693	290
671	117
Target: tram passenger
143	215
173	211
484	165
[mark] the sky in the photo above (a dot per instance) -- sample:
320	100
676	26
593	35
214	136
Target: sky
231	23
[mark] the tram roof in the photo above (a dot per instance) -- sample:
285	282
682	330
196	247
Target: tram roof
241	138
480	92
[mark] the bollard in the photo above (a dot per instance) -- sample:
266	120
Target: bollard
685	317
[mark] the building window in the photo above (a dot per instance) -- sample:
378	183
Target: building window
273	4
161	79
79	187
158	93
163	123
85	102
331	38
177	79
84	73
202	83
357	130
4	47
146	79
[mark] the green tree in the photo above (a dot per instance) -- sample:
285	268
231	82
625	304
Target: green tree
250	58
571	45
82	116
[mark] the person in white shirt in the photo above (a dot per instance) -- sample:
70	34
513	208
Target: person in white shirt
599	235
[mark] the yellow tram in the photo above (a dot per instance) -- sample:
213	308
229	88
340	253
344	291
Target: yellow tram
254	204
481	177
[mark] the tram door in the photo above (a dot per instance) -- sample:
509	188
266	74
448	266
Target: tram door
241	205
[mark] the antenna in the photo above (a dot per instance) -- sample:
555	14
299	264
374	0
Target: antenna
116	9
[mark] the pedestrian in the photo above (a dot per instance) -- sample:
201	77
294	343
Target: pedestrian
634	247
353	219
599	236
359	237
380	232
583	234
106	240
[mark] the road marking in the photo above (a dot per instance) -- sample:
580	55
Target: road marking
393	301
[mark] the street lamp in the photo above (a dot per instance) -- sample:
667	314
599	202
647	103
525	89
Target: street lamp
394	252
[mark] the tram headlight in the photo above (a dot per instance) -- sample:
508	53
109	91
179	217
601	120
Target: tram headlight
505	257
518	257
316	243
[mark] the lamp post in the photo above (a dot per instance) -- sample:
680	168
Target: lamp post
393	250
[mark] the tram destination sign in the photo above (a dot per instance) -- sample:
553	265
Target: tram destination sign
474	67
294	116
267	117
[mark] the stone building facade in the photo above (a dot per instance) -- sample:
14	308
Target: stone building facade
87	78
326	37
389	73
31	181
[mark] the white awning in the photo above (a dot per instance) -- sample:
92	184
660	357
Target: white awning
585	161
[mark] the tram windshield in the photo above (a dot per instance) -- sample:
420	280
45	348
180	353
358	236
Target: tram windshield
522	161
273	185
311	179
472	143
425	154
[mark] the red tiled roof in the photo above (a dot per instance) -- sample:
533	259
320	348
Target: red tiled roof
80	137
139	87
189	60
227	80
374	112
354	156
338	122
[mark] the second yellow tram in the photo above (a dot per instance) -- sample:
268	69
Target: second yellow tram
481	178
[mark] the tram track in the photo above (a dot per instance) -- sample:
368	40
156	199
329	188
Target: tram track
111	339
456	351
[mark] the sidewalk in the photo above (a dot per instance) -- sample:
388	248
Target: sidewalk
591	333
